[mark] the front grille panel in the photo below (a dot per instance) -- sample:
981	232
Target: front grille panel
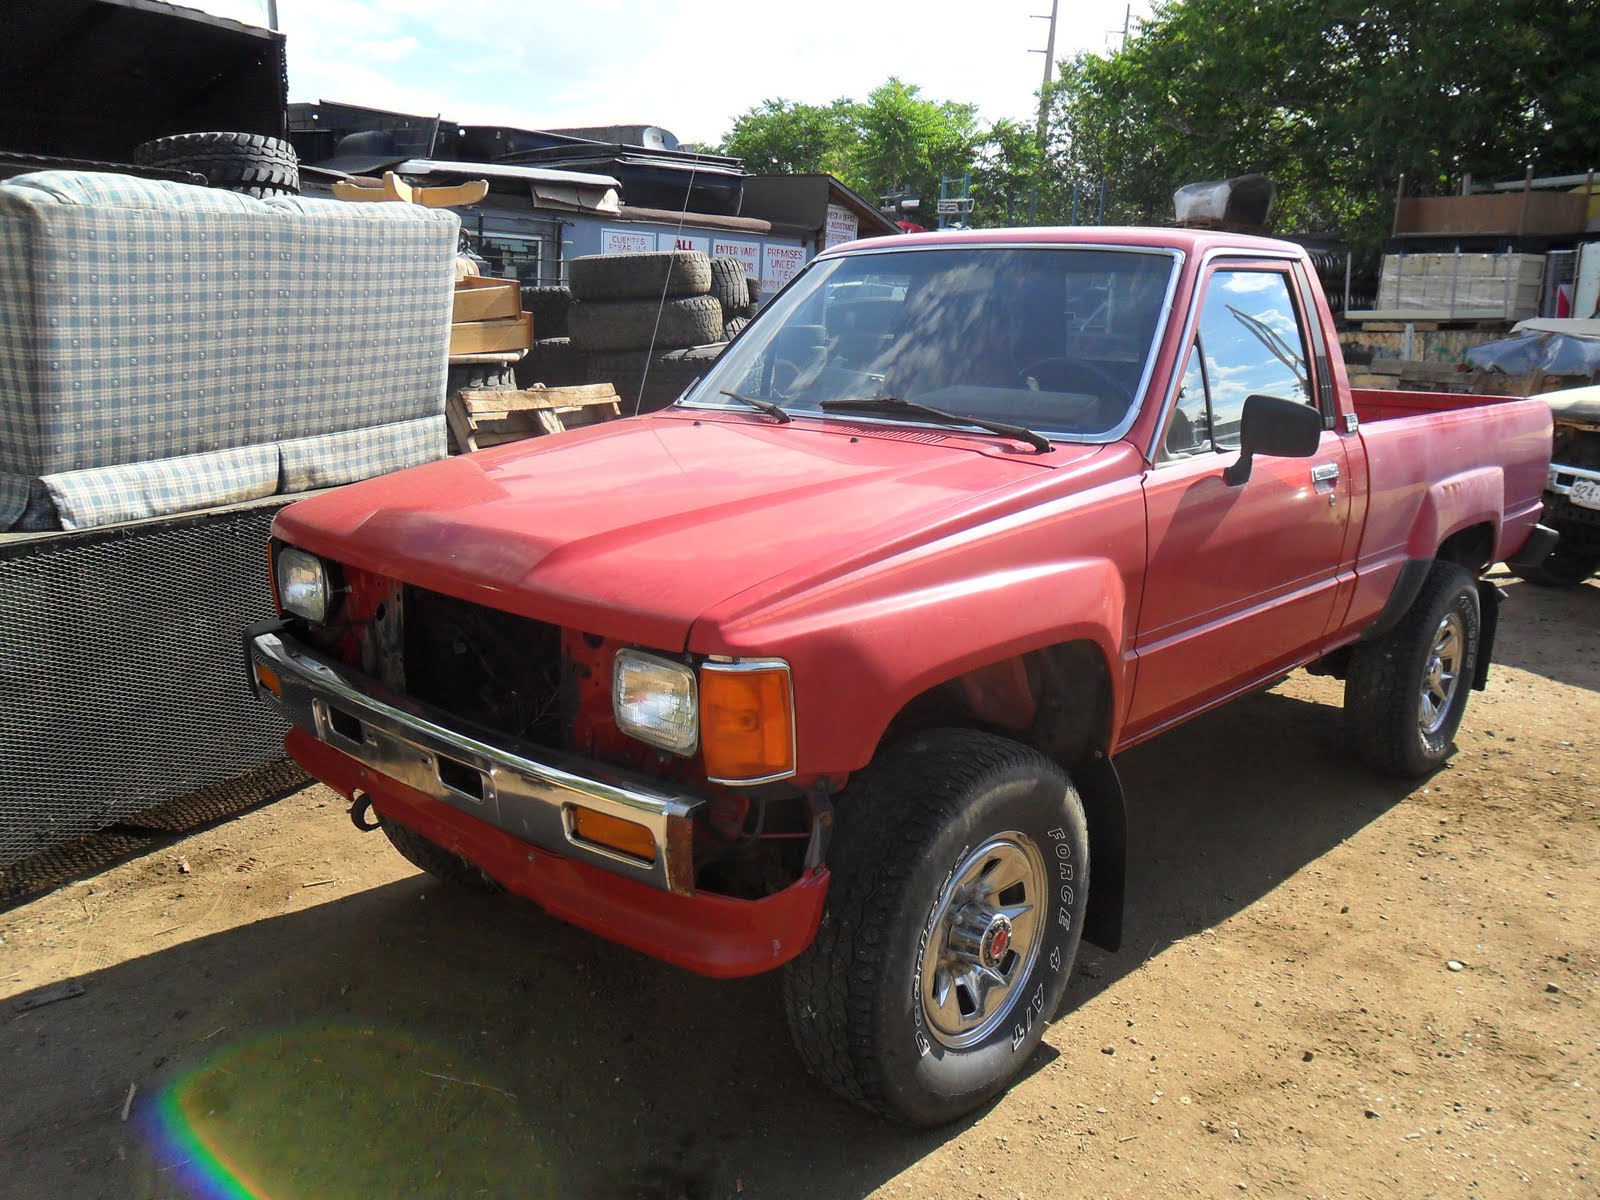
493	668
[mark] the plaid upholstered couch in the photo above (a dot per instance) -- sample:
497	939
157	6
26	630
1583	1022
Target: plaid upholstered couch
166	348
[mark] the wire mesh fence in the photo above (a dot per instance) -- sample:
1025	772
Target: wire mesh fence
122	678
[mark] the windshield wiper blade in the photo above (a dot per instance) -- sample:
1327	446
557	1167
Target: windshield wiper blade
909	408
766	406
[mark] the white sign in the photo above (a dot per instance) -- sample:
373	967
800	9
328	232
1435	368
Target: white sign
948	207
779	264
748	253
842	227
626	241
683	241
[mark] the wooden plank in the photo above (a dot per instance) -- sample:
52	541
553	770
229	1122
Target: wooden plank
482	337
484	402
480	298
461	426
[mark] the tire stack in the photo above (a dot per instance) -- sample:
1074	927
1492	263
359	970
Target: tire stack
626	307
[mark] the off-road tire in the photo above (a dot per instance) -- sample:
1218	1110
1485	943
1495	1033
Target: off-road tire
251	163
731	329
904	825
639	276
729	287
1384	683
1562	569
549	306
598	325
429	856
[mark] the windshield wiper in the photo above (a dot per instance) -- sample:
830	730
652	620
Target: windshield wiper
766	406
909	408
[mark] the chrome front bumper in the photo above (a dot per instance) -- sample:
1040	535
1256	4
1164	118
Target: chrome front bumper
528	791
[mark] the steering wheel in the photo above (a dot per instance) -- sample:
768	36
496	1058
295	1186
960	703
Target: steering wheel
1112	397
1099	381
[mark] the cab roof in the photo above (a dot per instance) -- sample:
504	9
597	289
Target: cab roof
1190	241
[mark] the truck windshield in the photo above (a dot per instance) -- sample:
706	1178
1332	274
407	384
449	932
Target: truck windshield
1056	340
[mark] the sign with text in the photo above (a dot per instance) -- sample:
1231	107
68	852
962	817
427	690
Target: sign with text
842	227
748	253
778	266
683	241
626	241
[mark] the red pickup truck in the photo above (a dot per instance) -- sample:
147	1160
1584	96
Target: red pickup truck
825	666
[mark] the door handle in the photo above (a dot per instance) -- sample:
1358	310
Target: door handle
1325	473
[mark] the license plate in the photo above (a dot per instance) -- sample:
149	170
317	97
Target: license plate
1586	493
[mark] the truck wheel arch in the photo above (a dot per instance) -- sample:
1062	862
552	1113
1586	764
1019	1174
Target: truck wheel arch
1069	715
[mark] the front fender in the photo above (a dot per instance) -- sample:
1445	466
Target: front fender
858	662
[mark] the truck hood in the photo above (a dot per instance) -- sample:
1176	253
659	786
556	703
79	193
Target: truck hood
633	529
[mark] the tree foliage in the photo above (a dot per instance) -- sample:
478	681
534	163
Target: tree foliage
896	137
1333	101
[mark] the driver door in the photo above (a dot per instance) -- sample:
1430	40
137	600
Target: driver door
1239	581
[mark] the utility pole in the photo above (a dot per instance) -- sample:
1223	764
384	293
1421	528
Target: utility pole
272	15
1049	53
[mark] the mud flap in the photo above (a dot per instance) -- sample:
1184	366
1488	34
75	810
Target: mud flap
1098	786
1489	598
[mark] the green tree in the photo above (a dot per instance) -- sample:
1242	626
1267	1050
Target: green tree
897	136
1332	101
780	137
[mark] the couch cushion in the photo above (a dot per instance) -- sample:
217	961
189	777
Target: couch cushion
334	458
135	491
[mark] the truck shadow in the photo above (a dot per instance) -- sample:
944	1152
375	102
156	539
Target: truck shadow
414	1040
1553	632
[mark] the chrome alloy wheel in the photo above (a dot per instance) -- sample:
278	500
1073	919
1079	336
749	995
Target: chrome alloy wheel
1441	676
983	938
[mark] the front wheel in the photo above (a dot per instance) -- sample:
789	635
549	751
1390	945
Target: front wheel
960	879
1405	693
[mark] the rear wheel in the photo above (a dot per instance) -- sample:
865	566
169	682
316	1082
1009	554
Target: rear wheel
960	879
1405	693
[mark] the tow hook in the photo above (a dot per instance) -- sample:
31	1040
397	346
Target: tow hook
361	812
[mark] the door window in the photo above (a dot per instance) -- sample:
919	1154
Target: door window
1248	340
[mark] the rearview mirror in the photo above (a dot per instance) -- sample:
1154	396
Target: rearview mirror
1275	427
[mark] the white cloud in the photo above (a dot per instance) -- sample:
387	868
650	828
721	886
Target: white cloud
689	65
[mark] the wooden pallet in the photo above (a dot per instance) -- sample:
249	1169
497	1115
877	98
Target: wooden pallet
480	418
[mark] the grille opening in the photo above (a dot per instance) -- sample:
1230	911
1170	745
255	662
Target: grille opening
344	725
461	778
493	668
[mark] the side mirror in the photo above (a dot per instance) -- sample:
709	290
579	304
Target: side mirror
1275	427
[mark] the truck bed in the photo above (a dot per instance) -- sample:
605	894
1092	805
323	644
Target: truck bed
1381	404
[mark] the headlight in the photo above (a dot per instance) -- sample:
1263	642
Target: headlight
655	701
302	584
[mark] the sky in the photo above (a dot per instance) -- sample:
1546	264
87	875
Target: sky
690	66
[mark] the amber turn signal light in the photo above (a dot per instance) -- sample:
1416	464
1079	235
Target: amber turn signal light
613	833
747	721
268	678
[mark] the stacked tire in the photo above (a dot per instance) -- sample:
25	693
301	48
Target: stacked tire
250	163
631	313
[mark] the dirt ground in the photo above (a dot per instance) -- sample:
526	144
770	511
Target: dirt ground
1332	985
